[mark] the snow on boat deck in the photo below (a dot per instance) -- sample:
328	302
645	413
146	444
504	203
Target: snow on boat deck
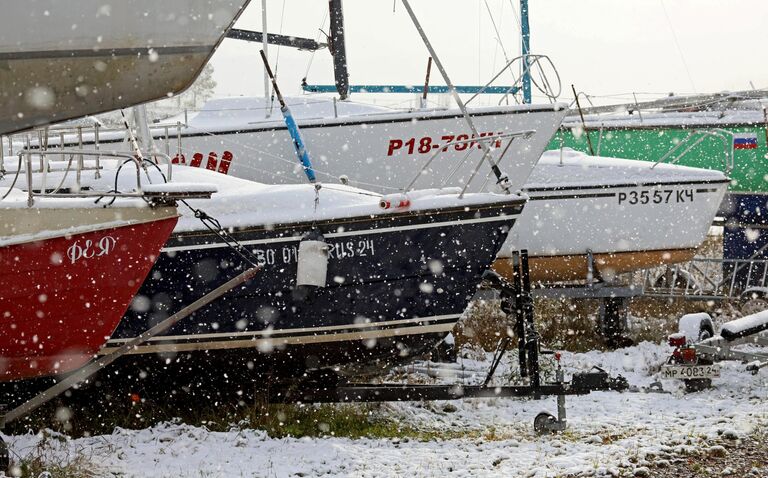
578	169
227	114
622	119
239	202
606	431
242	203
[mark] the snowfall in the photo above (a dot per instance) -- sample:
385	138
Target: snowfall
608	432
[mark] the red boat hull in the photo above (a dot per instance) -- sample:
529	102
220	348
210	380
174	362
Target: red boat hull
61	298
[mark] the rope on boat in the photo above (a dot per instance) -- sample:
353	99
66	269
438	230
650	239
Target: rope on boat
214	226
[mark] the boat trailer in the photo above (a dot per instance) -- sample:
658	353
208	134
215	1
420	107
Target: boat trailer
698	349
517	304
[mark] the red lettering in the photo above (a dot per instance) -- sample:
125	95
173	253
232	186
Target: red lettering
394	144
212	160
461	146
197	158
226	158
447	138
179	159
411	143
425	145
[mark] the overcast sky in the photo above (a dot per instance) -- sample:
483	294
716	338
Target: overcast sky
604	47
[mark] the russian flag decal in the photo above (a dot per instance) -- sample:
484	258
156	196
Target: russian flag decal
745	141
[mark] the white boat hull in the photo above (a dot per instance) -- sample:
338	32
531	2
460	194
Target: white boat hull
382	151
625	227
64	59
627	214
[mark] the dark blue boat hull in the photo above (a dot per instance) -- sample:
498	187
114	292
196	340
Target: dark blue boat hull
745	236
396	285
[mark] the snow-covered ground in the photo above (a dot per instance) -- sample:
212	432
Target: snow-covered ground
608	433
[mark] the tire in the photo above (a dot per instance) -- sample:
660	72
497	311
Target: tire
543	422
706	330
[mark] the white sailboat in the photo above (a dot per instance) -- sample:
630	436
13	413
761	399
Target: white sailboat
628	215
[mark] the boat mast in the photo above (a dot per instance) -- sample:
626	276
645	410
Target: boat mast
265	47
525	50
338	48
293	129
503	180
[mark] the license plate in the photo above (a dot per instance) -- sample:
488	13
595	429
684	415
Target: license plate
690	371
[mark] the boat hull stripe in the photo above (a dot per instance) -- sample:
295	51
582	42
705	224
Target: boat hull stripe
290	337
381	230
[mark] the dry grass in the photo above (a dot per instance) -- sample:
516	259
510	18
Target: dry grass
573	324
52	457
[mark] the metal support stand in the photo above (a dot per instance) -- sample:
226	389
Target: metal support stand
545	423
517	303
613	320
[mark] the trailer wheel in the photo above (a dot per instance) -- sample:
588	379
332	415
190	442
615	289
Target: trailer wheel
544	423
706	330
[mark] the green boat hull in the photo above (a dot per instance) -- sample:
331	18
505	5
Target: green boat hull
750	172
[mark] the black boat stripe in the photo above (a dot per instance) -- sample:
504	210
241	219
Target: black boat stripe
100	53
290	229
428	225
383	230
573	196
628	185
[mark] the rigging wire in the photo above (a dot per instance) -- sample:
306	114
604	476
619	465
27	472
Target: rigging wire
677	45
282	18
496	29
517	18
15	178
317	39
215	227
520	33
479	43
